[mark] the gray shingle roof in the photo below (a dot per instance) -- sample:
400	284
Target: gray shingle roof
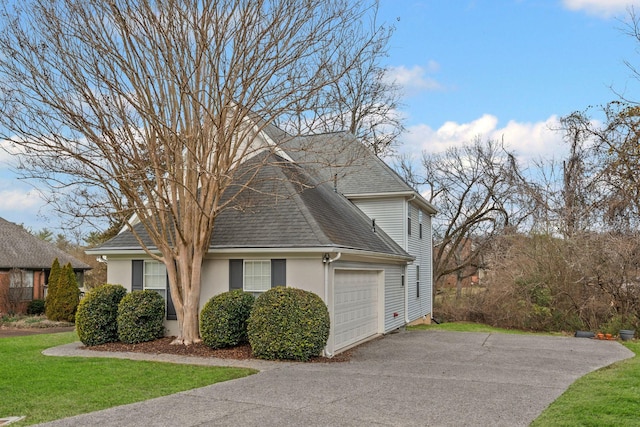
342	159
20	249
287	208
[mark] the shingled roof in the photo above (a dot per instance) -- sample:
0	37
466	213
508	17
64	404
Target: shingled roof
286	207
20	249
354	170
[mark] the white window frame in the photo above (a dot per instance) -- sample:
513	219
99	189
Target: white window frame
160	274
256	280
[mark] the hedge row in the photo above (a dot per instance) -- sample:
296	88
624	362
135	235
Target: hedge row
282	323
108	314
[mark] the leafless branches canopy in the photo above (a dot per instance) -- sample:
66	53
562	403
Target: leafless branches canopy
125	107
475	190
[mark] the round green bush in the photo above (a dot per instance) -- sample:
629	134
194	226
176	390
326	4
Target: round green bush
223	319
96	318
140	317
288	323
35	307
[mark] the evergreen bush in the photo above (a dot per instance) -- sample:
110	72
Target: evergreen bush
63	303
140	317
288	323
35	307
52	282
97	316
223	319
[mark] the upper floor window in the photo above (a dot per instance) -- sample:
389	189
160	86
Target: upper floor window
409	220
420	224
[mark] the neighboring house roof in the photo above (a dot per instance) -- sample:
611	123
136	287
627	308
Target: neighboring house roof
284	207
20	249
354	170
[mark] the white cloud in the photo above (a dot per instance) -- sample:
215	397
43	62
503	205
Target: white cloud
527	140
415	79
602	8
20	200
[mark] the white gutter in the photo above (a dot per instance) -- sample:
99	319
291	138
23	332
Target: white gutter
262	250
326	259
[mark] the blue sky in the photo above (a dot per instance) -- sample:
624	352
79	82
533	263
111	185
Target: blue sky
490	68
505	68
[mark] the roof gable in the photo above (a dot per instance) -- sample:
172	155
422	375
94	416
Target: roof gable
20	249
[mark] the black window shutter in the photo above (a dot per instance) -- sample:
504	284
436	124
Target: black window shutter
278	272
137	274
171	309
235	274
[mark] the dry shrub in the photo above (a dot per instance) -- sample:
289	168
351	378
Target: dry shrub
543	283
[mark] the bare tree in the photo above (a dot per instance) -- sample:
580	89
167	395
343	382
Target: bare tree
144	109
475	190
365	101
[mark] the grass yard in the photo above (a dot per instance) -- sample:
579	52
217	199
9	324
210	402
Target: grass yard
45	388
607	397
472	327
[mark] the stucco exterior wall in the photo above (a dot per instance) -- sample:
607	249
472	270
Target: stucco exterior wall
119	271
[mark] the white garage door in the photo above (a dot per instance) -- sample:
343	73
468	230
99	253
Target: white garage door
355	306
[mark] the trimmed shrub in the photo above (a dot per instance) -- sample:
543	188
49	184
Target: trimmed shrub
223	319
97	316
288	323
35	307
140	317
52	283
64	300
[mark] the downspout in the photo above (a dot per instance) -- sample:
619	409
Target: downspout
406	274
326	259
406	295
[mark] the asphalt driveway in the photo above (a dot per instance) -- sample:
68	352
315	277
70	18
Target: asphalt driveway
429	378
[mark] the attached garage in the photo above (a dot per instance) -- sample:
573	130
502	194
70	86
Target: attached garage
357	297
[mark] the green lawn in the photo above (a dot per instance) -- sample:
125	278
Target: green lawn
472	327
607	397
45	388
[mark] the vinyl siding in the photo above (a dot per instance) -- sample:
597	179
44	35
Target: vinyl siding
421	249
389	214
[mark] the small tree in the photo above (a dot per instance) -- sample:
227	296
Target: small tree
64	303
54	276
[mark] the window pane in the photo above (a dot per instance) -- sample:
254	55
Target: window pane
155	275
257	276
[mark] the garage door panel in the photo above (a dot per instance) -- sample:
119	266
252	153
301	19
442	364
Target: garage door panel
355	306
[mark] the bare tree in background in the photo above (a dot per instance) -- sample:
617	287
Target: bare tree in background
475	188
127	107
365	101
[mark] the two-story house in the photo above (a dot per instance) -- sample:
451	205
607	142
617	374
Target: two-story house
325	215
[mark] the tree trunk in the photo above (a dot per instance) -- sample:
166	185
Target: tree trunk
185	293
458	286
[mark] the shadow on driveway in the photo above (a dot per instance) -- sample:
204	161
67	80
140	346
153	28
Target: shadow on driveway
420	378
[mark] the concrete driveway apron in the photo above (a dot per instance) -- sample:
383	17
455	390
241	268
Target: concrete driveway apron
425	378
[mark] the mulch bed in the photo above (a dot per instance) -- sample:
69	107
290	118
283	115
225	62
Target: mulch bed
164	346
